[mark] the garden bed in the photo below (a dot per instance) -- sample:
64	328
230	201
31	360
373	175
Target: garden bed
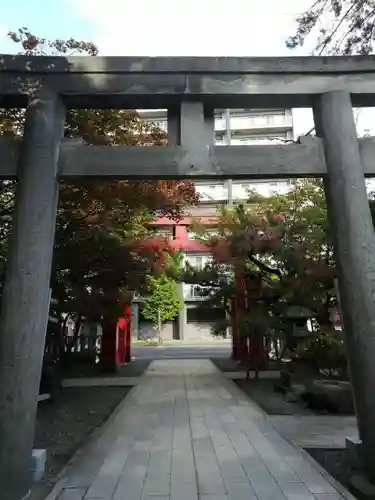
310	393
262	392
63	425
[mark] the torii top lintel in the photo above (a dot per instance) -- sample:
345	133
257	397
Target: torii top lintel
154	82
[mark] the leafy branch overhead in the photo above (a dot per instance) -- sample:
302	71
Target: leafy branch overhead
337	26
104	247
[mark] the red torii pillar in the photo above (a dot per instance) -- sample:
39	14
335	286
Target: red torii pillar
124	336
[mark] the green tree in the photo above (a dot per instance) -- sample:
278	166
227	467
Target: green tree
340	27
281	243
162	302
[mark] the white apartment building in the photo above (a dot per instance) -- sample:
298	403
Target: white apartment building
239	127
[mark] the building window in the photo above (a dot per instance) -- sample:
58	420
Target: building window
164	232
192	235
197	261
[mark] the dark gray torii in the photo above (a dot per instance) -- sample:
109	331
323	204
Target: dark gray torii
190	88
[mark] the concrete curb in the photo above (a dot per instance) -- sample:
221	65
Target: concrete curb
101	382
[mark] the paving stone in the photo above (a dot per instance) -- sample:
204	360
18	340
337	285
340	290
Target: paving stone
267	488
157	485
129	487
240	491
106	481
213	497
102	487
329	496
184	490
155	497
177	496
313	480
210	485
296	491
72	494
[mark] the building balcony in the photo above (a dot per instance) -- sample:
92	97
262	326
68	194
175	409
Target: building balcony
194	293
220	124
260	123
213	193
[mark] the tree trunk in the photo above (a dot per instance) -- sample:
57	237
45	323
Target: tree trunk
256	354
108	353
160	334
242	352
77	327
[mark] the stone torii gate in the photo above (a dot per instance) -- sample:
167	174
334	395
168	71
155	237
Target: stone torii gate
191	88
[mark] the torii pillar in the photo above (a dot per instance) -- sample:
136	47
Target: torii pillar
354	239
25	300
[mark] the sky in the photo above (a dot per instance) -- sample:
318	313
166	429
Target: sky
170	28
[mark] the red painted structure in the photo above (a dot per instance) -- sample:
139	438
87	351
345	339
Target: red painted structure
181	239
124	337
116	342
247	287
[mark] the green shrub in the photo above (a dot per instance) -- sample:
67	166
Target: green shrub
326	351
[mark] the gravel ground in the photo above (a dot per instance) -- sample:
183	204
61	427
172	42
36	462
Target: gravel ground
262	392
63	426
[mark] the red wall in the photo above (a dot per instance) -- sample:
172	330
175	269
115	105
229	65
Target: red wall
181	241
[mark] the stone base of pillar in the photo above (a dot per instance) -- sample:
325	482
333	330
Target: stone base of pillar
38	464
360	486
355	452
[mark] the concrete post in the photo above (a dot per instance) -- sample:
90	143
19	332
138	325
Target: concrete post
135	320
25	299
191	124
354	239
182	322
228	131
174	131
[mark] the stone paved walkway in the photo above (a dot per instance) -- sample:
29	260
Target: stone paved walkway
187	433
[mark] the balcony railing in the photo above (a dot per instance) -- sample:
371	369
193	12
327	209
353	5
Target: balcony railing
260	121
197	292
